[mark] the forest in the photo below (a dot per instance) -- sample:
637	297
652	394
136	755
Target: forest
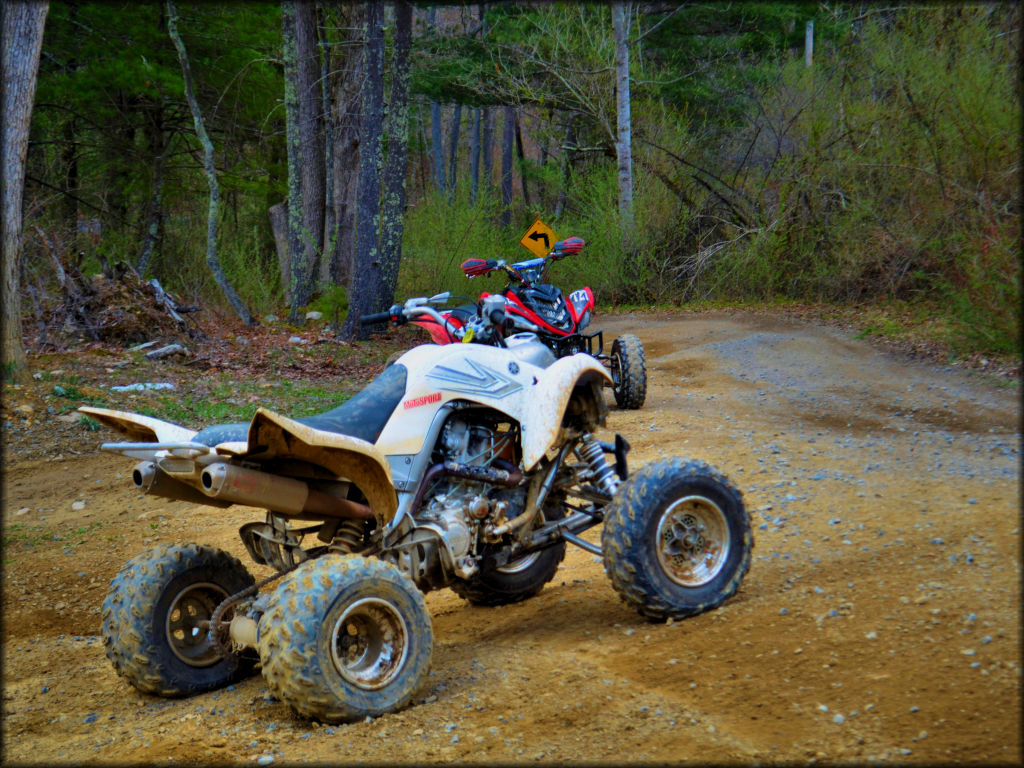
267	158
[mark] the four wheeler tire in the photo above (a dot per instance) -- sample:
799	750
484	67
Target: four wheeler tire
676	539
345	637
156	614
518	580
629	372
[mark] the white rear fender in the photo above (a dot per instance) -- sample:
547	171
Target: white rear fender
272	436
139	428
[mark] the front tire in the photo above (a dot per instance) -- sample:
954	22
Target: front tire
629	372
345	637
676	539
156	614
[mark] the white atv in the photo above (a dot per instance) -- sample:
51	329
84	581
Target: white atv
462	465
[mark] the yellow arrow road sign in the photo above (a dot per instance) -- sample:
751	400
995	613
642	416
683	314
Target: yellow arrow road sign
539	238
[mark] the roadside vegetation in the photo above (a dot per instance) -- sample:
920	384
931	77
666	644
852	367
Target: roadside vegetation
877	187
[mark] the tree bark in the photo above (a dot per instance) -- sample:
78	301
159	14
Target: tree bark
212	260
158	149
366	278
623	141
396	130
306	171
436	139
522	160
348	64
508	136
21	33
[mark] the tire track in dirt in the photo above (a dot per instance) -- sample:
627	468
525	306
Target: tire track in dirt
879	620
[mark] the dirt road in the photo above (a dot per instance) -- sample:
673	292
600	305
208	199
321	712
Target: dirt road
880	620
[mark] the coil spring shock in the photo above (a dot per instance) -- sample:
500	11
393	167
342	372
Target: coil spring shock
348	538
591	452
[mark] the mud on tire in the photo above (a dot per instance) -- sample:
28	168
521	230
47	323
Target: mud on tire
153	618
676	539
344	637
629	372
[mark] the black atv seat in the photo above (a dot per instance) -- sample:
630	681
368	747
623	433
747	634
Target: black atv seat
363	416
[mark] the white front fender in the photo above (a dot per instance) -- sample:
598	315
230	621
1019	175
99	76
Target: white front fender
542	419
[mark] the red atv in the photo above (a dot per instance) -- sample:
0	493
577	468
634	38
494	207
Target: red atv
536	308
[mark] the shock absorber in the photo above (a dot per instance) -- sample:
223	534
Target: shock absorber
590	451
348	538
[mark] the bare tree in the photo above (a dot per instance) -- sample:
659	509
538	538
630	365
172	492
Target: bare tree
347	68
21	34
366	277
507	141
453	150
623	134
212	260
436	139
474	155
306	167
396	130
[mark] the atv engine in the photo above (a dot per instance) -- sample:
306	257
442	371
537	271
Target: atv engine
460	505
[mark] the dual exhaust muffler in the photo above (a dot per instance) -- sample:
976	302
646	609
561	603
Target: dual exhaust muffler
222	485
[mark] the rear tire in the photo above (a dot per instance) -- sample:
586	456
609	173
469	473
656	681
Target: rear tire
518	580
153	619
345	637
676	539
629	372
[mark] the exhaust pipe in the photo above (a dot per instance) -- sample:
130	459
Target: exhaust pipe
237	485
149	478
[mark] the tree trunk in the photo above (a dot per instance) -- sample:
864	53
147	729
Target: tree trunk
366	278
21	33
508	136
437	146
278	215
158	151
348	64
306	155
522	160
474	156
623	141
570	141
397	131
212	260
436	139
329	123
453	151
487	146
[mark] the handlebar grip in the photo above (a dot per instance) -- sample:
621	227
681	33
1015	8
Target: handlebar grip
376	317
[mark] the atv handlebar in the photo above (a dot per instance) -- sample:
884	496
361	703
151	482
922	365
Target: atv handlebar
376	317
524	271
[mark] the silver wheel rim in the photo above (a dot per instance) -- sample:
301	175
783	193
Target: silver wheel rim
188	621
692	541
369	643
521	564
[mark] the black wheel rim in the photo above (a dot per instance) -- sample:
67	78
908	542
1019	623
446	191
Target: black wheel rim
188	622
